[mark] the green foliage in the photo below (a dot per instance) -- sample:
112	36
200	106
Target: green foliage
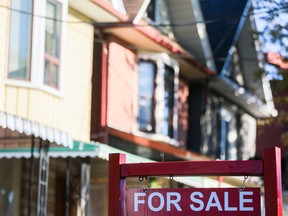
274	33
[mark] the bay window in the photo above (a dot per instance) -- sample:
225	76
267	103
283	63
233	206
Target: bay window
147	72
35	44
157	88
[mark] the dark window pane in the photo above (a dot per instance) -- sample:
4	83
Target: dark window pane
168	101
151	10
20	39
146	96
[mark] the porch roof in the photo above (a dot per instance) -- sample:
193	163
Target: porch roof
28	127
80	149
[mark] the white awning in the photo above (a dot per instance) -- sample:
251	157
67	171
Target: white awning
21	125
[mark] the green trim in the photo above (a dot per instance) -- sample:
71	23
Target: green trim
78	147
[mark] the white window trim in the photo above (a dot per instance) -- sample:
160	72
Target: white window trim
38	51
38	42
161	59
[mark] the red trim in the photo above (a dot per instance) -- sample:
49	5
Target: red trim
154	35
104	86
157	145
273	181
53	61
99	93
194	168
108	7
117	185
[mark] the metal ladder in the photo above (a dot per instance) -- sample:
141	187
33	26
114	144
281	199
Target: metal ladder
43	176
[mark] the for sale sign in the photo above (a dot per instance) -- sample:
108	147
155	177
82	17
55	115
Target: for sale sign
194	201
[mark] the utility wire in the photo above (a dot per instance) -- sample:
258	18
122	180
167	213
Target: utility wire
128	24
123	24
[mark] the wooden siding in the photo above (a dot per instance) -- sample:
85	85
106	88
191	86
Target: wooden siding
3	45
183	108
68	111
122	87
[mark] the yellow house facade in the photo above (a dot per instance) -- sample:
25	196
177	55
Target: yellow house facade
46	64
46	67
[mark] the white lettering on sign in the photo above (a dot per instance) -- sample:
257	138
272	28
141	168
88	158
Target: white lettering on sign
226	203
213	202
174	202
197	201
243	200
173	198
137	201
162	202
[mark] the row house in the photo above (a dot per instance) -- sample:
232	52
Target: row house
50	52
84	78
157	97
46	64
168	89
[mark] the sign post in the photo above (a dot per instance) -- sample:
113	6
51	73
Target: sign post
204	201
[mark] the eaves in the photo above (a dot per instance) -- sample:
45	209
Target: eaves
141	36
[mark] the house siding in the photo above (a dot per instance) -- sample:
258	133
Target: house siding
122	87
4	32
69	110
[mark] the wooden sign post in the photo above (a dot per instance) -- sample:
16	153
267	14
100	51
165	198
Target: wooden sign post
269	167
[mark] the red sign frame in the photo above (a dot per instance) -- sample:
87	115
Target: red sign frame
269	167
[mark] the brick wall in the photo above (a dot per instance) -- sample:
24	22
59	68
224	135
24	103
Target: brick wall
183	93
122	87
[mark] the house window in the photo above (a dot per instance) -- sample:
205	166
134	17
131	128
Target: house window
147	72
151	10
228	135
52	43
20	39
168	101
156	97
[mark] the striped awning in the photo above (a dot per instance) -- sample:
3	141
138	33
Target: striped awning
21	125
80	149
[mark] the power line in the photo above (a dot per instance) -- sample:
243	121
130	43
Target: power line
129	24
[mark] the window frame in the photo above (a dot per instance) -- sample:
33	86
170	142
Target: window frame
28	70
53	60
227	126
37	51
162	59
153	102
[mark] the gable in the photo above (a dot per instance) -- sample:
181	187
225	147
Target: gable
132	7
223	24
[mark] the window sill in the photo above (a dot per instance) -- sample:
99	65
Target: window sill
35	86
157	138
156	145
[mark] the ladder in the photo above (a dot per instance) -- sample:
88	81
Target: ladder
43	176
